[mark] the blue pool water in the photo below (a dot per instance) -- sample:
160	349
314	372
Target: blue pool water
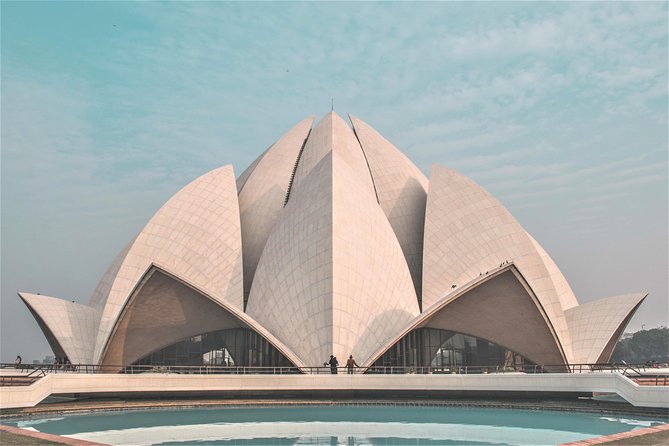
337	425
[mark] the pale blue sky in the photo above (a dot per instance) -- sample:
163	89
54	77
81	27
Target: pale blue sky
108	108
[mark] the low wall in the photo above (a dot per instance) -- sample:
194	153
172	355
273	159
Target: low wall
157	383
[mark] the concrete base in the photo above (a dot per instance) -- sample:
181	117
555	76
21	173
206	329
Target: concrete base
386	386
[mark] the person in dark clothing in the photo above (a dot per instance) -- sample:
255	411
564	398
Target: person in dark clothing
350	363
17	362
333	364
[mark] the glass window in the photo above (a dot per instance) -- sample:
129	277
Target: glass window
234	347
446	351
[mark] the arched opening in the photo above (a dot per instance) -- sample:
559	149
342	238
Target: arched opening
168	322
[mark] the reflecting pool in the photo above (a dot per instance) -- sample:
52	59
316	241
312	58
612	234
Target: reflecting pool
336	425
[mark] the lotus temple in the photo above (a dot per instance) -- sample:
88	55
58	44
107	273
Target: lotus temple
332	242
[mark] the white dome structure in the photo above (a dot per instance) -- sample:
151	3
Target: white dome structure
333	243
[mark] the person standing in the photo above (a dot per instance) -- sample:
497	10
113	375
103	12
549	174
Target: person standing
350	363
333	364
18	361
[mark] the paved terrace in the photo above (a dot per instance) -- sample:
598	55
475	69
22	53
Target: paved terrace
158	382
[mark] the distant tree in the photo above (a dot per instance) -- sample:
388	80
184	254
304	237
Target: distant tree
642	346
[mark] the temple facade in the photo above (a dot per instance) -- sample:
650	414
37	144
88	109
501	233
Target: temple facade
332	242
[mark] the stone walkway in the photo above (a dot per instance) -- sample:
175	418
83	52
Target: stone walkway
15	436
650	436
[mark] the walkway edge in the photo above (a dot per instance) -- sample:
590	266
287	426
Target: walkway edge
48	437
152	384
620	436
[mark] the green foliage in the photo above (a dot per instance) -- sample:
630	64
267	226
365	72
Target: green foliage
642	346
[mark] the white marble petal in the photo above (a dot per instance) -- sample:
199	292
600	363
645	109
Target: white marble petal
468	232
67	325
596	326
241	180
101	292
332	278
262	197
564	292
402	192
196	234
291	294
332	134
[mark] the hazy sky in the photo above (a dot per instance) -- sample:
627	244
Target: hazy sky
109	108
